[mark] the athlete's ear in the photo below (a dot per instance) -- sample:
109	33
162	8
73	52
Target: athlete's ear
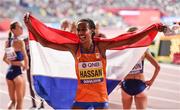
93	33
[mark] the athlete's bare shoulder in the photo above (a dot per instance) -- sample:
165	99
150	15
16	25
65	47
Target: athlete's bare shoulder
73	48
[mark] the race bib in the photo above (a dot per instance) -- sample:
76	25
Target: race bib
10	53
91	72
138	68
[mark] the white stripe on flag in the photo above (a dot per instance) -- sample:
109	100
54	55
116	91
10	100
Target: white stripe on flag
54	63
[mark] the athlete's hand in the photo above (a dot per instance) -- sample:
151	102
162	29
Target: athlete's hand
25	67
149	83
163	28
26	17
8	61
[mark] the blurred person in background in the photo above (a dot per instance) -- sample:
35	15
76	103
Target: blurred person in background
65	25
91	92
98	34
134	84
29	77
73	28
17	59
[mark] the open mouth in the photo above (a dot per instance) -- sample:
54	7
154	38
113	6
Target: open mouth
82	37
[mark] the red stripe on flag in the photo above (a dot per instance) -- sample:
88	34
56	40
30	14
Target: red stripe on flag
61	37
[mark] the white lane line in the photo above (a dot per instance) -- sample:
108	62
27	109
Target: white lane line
4	92
166	90
119	104
169	73
163	73
2	75
166	81
170	66
164	99
165	65
157	98
163	76
26	97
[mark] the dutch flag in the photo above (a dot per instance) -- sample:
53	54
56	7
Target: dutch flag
53	71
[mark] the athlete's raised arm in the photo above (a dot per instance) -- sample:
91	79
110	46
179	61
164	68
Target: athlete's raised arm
44	42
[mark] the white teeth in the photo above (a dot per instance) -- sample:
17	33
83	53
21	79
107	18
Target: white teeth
82	36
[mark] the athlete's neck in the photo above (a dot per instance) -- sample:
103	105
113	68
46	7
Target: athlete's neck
88	47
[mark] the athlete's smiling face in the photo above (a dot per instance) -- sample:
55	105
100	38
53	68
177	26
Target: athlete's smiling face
83	31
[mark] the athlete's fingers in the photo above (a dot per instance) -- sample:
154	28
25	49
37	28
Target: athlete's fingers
26	17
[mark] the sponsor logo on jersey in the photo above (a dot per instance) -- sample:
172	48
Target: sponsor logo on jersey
91	72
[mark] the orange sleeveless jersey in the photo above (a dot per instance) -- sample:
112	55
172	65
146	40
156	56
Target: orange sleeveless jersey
91	74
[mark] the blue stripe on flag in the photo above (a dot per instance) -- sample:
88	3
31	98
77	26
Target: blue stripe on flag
60	92
111	84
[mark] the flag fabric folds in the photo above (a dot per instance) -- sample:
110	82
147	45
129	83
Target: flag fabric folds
53	71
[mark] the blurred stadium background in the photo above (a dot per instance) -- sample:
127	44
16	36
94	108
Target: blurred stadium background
114	17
